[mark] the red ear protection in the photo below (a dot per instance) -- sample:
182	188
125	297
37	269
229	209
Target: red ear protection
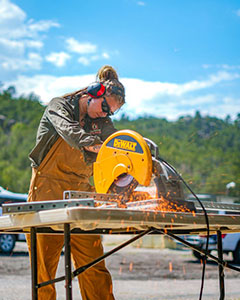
96	90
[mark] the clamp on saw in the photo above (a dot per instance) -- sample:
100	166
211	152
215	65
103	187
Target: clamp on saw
127	160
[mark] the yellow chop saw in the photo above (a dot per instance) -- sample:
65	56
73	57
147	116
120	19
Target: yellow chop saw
127	160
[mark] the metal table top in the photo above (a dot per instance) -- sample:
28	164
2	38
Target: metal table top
116	219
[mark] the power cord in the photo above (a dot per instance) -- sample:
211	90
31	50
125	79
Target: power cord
206	218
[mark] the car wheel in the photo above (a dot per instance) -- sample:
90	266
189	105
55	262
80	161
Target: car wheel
236	254
7	242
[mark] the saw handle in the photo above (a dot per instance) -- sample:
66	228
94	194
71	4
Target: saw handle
153	148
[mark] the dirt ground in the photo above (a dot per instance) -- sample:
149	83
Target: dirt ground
138	274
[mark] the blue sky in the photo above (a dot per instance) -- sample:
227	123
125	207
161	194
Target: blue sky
174	57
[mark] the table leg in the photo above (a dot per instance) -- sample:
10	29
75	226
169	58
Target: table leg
220	267
68	275
33	234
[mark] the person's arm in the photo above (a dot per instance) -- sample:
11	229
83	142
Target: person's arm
107	129
61	116
94	148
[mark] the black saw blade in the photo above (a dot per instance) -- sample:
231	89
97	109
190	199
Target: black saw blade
124	185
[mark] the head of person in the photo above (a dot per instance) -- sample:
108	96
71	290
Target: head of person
107	95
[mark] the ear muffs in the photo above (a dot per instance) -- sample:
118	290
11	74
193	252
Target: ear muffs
96	90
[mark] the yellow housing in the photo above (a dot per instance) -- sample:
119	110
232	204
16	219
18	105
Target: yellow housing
124	152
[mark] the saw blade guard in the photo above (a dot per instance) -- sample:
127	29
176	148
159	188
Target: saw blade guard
124	152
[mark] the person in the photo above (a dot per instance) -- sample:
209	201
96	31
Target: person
69	136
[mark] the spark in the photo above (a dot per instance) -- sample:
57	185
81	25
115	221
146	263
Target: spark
170	266
130	266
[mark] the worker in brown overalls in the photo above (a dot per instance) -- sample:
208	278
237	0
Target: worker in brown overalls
69	136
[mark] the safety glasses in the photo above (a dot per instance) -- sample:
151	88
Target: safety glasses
106	108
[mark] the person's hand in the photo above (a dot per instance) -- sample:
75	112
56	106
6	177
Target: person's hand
94	148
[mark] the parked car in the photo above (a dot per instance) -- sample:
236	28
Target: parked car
230	244
7	241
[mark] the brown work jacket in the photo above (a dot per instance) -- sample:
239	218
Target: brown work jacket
63	164
61	119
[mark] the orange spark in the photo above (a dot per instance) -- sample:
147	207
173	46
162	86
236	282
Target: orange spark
130	266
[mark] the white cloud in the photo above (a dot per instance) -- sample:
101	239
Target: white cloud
160	99
17	47
58	59
238	12
10	12
33	44
18	35
11	46
41	26
86	60
105	55
81	48
141	3
33	61
86	50
48	87
140	91
14	23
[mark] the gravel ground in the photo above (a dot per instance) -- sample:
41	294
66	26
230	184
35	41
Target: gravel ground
138	274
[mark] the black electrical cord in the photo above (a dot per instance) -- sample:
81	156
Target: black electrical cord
206	218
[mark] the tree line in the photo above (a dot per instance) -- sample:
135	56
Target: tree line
205	150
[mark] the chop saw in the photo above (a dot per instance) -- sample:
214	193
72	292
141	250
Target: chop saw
127	160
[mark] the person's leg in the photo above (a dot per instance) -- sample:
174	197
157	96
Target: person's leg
49	248
96	282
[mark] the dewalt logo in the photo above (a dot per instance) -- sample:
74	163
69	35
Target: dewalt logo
126	145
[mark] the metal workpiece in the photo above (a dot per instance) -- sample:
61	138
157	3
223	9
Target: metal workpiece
20	208
97	197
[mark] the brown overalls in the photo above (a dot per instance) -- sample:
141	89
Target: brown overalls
63	169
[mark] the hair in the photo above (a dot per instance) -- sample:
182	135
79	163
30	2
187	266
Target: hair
108	76
106	73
